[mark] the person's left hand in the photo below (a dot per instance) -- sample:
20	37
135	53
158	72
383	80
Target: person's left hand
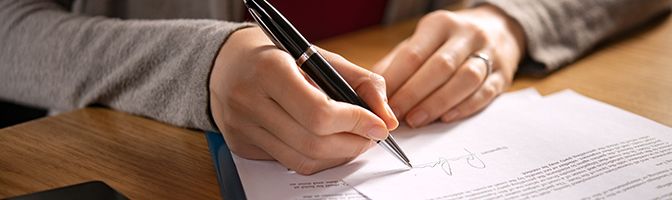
434	73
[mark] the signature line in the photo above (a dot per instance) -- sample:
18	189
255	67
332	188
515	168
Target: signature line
445	163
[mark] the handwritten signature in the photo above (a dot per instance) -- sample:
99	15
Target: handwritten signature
445	163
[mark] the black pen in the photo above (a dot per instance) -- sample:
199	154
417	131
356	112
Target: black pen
286	37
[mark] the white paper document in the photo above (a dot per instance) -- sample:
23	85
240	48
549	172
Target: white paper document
563	146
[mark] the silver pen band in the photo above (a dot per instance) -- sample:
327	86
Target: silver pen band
306	55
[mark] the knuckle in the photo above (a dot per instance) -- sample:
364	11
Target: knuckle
320	119
428	18
473	74
377	79
266	58
413	54
489	92
440	16
270	59
479	34
267	64
432	14
446	62
470	26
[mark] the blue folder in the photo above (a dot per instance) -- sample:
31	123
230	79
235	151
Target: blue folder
227	175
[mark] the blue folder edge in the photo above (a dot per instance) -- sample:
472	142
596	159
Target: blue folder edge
227	175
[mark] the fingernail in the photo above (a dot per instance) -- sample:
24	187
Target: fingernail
417	118
450	116
390	112
377	133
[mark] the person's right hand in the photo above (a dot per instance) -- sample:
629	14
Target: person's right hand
266	108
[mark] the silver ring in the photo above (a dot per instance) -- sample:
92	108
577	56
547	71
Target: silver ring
306	55
486	60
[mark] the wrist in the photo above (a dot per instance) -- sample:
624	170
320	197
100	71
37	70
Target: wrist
230	48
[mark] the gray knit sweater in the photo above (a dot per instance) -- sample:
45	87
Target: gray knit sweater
63	55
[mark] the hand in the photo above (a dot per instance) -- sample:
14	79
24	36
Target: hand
433	74
266	109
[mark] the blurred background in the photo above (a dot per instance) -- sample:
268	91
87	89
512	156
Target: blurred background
311	19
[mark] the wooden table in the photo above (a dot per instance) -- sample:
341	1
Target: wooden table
144	159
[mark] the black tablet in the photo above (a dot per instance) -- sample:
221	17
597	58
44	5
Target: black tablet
87	190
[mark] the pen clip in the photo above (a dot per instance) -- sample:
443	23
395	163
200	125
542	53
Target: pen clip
266	28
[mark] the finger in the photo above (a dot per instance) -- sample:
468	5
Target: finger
246	139
309	106
368	85
434	73
381	66
413	53
282	125
238	143
465	81
242	146
491	88
289	157
372	91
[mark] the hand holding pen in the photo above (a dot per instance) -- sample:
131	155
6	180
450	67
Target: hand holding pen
313	64
267	109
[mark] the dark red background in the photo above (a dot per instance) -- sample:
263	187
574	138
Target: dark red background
320	19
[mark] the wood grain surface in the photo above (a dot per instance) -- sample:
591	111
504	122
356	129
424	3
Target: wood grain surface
141	158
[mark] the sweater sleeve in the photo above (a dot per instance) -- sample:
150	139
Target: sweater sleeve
159	69
560	31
